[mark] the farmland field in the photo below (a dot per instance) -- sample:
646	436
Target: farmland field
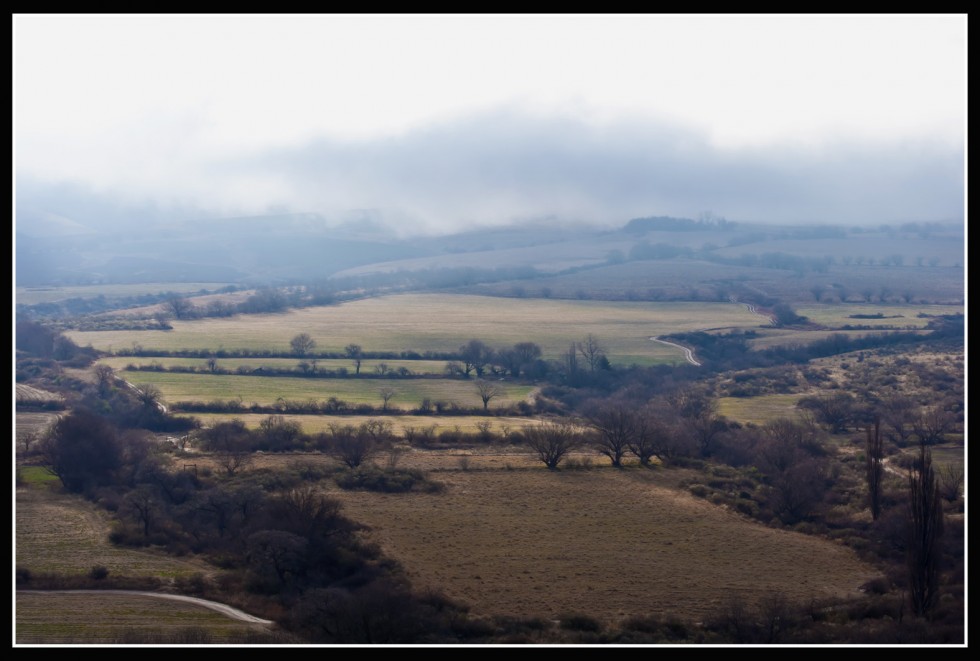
312	424
266	390
759	410
58	618
232	364
431	322
609	543
68	535
894	314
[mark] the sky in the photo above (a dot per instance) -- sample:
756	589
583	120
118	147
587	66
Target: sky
440	122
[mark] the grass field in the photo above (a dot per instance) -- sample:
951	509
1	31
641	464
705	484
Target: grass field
608	543
231	364
66	534
444	322
27	422
266	390
759	410
902	315
777	337
312	424
58	618
35	295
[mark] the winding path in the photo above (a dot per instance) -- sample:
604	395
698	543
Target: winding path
689	354
224	609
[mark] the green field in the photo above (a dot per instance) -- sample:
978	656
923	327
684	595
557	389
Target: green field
759	410
266	390
444	322
232	364
837	315
35	295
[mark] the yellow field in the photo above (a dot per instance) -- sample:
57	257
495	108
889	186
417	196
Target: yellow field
443	322
266	390
312	424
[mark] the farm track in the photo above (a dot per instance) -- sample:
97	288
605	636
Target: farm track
224	609
689	354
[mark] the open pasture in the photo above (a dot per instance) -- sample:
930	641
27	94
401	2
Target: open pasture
232	364
759	410
444	322
900	315
609	543
267	390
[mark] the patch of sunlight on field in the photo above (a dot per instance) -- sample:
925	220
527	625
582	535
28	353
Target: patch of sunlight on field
267	390
899	315
444	322
759	410
313	424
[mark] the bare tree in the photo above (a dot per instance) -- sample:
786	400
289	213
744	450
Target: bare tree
105	377
354	352
475	355
875	457
212	364
932	425
179	307
386	393
302	344
551	441
487	392
615	425
925	517
348	445
592	352
950	482
149	396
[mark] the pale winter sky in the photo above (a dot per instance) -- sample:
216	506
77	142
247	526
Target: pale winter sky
442	121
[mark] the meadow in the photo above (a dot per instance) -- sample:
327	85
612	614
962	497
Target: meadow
313	424
267	390
368	367
443	322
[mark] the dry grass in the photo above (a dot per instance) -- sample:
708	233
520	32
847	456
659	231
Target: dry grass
312	424
759	410
443	322
65	534
609	543
58	618
39	422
